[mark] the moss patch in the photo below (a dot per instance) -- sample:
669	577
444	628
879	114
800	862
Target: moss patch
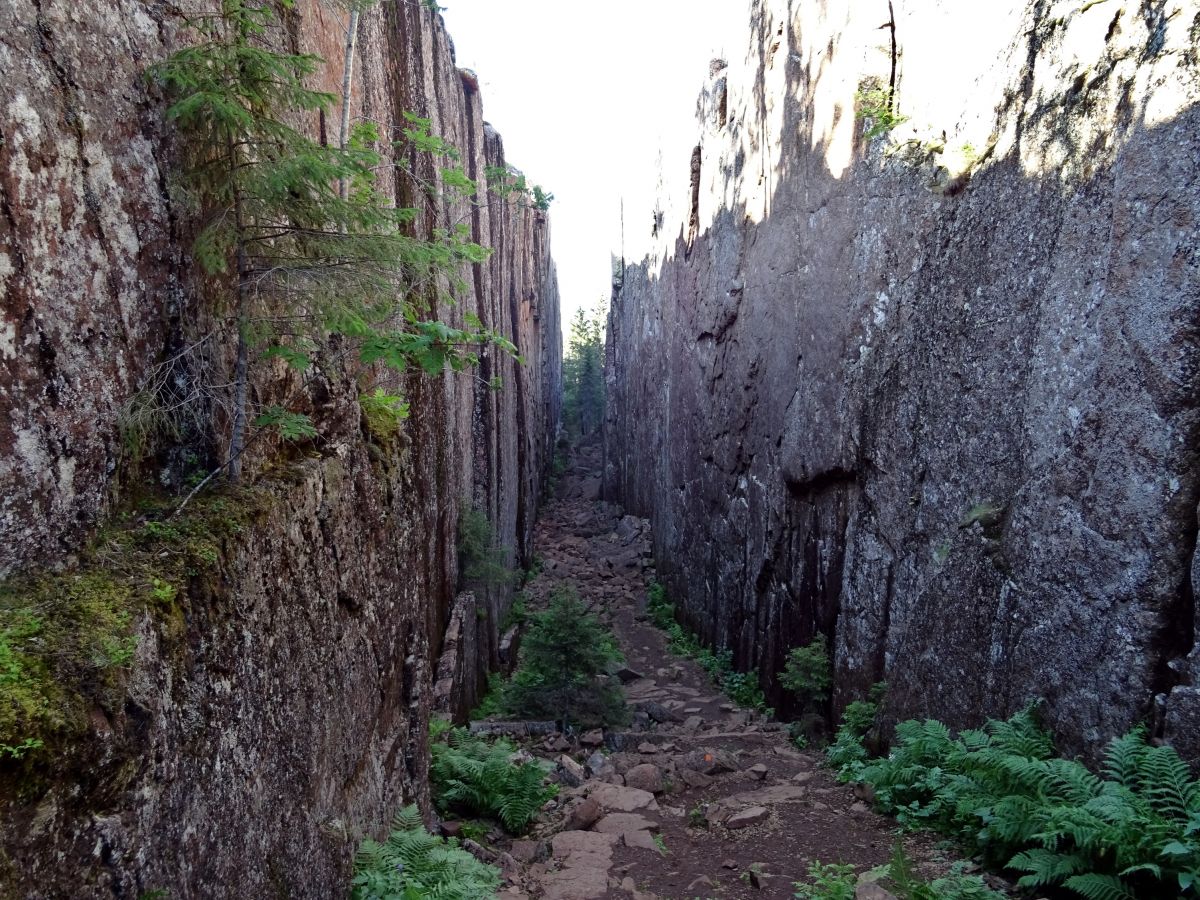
68	640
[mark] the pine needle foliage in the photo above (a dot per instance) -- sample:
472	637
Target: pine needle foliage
481	559
583	374
486	779
566	656
413	864
1132	831
307	263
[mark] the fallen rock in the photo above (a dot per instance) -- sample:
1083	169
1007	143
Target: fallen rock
694	779
869	890
593	738
699	883
658	712
628	675
647	748
599	764
585	815
646	777
747	817
775	793
619	823
641	840
570	772
619	798
526	851
759	771
573	843
712	762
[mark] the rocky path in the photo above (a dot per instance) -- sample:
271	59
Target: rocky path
697	799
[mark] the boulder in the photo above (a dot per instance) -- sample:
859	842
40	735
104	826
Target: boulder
747	817
646	777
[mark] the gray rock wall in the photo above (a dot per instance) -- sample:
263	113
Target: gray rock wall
282	713
933	393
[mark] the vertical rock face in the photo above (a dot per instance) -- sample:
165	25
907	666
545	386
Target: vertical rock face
933	391
282	714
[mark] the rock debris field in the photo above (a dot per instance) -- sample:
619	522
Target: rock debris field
697	799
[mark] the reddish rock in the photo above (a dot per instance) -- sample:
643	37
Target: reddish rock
646	777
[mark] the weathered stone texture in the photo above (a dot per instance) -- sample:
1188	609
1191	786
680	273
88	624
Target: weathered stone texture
933	394
287	717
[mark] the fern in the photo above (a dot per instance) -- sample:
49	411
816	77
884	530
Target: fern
483	778
1134	830
415	864
1099	887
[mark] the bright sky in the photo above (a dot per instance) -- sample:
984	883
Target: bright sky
586	95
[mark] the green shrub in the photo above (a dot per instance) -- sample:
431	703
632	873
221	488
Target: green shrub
480	559
481	778
492	702
847	753
414	864
838	882
566	656
827	882
900	878
808	674
1003	793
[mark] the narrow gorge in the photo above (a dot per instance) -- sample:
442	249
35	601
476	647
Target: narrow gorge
327	516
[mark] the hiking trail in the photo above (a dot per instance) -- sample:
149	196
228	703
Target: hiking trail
698	798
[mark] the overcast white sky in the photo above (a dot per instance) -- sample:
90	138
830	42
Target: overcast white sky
585	95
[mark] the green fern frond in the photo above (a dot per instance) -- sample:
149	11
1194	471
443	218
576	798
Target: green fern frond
1099	887
1046	868
1165	779
1123	758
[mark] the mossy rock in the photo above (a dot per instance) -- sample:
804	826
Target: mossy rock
68	640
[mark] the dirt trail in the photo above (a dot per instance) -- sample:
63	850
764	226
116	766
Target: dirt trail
697	799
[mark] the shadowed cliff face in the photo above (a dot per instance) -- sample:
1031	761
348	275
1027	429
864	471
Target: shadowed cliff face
280	712
934	394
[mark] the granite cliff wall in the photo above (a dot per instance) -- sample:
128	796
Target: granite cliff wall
276	712
932	392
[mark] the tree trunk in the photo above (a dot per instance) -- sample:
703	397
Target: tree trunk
347	83
237	440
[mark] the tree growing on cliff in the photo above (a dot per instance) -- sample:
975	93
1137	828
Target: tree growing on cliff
583	374
307	260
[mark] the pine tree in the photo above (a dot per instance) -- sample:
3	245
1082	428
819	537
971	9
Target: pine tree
583	374
307	260
564	672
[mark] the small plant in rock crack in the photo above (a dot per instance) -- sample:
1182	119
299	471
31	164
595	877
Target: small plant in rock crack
876	105
412	863
697	818
487	779
661	843
566	657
